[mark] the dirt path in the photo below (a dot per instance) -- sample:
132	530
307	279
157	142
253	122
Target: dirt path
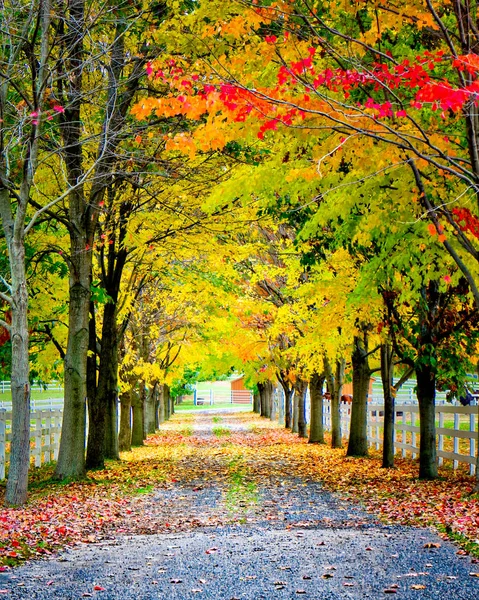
238	521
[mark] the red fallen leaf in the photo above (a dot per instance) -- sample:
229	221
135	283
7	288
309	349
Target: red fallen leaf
98	588
368	548
2	569
51	582
211	550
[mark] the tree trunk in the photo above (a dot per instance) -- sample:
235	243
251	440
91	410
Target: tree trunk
161	405
316	429
294	424
288	395
103	411
124	437
426	395
137	431
358	434
335	385
274	405
71	455
256	403
167	401
389	403
280	396
150	418
300	388
17	483
266	398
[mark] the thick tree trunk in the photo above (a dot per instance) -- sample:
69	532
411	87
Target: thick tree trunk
426	395
150	409
266	393
265	390
256	403
316	429
389	403
108	380
103	411
17	484
300	388
274	405
124	437
71	456
137	430
358	434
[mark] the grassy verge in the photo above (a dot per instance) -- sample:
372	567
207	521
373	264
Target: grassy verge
220	431
242	492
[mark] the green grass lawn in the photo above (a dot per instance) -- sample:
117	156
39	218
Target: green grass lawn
35	394
188	405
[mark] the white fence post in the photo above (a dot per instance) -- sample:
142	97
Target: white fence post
409	430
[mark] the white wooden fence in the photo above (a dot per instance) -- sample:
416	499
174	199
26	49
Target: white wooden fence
45	428
406	430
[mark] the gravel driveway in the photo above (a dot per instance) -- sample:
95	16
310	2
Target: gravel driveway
293	540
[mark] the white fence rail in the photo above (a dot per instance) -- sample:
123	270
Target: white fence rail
45	428
453	443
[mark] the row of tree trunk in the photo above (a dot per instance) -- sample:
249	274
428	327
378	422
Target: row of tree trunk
142	410
294	405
